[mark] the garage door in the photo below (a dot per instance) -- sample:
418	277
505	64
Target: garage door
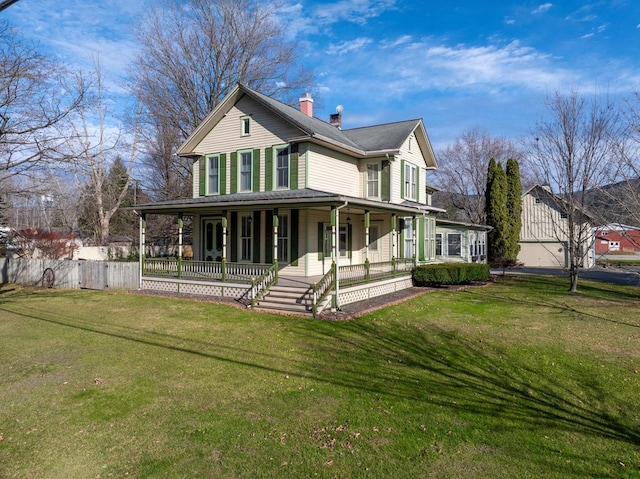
546	255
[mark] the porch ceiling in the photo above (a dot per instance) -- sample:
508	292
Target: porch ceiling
304	198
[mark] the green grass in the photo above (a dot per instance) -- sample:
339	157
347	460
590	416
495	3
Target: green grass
514	380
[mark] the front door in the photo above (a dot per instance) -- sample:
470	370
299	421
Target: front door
212	239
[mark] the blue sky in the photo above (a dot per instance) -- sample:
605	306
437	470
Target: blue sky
457	65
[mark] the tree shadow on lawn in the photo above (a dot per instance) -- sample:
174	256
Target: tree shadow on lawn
423	363
545	291
440	367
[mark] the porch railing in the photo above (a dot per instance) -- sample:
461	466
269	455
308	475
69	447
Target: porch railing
204	270
362	273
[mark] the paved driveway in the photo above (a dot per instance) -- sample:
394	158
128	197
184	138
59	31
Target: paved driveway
598	273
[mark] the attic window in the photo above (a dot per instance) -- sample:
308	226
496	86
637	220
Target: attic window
245	126
538	201
564	215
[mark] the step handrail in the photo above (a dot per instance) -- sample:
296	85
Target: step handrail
322	288
261	286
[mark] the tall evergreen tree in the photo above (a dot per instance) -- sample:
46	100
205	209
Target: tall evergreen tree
514	208
496	211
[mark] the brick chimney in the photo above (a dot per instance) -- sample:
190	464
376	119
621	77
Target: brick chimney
306	105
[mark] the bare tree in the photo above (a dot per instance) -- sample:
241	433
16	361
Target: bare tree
96	145
34	98
462	173
192	54
572	152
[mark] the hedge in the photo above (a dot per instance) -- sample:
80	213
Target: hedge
449	273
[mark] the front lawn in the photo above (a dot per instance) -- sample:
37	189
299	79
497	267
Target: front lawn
515	379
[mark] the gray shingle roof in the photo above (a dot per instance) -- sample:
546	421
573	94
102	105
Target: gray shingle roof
388	136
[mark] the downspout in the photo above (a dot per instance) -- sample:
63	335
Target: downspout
336	239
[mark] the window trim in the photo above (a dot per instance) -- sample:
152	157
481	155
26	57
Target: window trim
208	191
367	181
245	120
410	183
283	219
246	220
251	172
276	149
449	235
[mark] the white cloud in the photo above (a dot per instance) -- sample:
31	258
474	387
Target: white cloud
354	11
542	8
348	46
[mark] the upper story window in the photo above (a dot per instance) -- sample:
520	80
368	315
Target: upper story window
282	167
564	215
373	180
410	178
245	171
213	175
245	126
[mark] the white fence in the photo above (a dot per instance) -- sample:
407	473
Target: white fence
71	274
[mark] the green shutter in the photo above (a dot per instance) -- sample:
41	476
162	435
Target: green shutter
268	169
255	170
293	234
256	237
234	236
234	172
402	179
293	167
320	241
268	240
421	238
401	237
386	180
202	163
223	174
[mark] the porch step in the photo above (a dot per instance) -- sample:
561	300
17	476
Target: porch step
291	299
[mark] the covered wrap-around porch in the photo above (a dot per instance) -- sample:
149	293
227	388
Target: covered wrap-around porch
342	249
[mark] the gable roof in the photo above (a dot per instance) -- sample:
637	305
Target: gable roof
377	140
559	202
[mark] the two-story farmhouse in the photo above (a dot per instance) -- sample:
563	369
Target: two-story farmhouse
283	198
545	230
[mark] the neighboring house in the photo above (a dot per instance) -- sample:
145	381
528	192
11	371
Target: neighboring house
282	197
543	237
617	238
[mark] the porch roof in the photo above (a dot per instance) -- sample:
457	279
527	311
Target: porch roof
303	198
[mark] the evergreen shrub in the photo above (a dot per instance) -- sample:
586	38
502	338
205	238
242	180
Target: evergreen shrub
449	273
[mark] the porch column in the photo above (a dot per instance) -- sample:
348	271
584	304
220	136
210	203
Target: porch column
223	266
367	224
335	252
414	238
180	226
276	223
141	248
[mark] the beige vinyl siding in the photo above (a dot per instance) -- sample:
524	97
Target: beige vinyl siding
333	172
196	178
266	130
